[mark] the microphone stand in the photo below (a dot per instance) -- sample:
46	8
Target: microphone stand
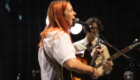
18	77
34	73
128	75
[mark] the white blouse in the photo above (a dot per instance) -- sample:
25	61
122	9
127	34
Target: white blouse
60	47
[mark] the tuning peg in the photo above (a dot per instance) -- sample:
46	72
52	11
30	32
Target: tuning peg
136	40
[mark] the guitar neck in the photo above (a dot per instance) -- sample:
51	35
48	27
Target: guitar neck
92	63
116	55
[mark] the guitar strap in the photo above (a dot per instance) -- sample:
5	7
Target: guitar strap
54	64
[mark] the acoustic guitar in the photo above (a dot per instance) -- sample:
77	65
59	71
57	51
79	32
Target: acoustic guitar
84	57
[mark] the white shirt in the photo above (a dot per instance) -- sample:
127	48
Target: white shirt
60	48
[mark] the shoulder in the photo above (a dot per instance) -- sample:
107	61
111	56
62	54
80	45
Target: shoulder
62	35
78	42
79	45
103	45
82	41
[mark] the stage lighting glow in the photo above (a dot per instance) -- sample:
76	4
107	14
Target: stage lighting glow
76	29
20	17
47	21
7	7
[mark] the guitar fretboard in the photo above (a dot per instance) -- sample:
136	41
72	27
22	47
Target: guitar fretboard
119	54
116	55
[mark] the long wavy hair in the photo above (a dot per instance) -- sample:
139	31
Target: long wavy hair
97	21
56	19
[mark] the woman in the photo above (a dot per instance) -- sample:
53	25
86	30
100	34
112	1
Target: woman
57	42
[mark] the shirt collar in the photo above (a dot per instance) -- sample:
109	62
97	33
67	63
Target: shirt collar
93	42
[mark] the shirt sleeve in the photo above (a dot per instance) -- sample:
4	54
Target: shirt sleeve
63	48
105	55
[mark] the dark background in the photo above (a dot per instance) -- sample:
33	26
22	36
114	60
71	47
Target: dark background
20	37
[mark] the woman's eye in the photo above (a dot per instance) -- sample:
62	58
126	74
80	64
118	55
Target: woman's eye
71	10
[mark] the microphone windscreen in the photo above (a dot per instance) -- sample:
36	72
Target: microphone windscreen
76	20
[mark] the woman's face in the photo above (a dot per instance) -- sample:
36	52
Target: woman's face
69	15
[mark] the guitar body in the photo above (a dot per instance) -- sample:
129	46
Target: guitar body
70	75
66	74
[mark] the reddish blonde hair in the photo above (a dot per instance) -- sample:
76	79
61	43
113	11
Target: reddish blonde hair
56	19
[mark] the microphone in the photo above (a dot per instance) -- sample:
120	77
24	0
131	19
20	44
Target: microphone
76	20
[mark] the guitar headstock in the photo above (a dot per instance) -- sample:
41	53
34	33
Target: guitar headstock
136	40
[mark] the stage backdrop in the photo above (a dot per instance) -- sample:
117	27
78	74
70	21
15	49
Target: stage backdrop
21	22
